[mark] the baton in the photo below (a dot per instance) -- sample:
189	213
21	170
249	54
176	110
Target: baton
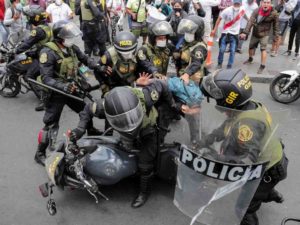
55	90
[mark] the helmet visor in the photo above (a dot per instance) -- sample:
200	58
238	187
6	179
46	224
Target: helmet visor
187	26
70	30
128	121
162	28
211	88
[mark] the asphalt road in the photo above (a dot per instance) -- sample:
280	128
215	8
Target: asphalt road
21	203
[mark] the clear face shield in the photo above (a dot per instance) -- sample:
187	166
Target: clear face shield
128	121
211	88
69	31
127	55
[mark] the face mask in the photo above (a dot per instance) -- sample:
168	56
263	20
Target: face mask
19	7
177	9
157	2
58	2
161	43
127	56
189	37
68	42
236	8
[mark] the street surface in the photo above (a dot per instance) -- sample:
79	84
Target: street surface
22	204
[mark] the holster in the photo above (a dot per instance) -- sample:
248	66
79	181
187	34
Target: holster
278	172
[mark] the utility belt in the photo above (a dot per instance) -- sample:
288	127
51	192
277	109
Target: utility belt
277	172
93	22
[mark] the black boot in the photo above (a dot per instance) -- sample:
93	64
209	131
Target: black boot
40	106
145	189
40	154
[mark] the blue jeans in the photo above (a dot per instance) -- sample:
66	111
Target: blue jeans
224	40
4	33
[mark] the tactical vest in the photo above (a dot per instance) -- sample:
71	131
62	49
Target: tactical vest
159	58
272	149
125	70
186	60
48	37
150	118
86	14
68	65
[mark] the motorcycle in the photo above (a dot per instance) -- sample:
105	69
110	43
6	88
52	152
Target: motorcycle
98	161
285	87
12	73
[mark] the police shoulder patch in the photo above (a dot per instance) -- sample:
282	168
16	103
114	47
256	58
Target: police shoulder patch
103	59
198	55
43	57
33	33
154	95
245	133
141	55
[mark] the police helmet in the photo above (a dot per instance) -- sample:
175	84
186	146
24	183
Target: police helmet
230	88
123	110
65	30
35	14
159	28
192	24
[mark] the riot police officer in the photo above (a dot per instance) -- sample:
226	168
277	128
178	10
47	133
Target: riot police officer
131	112
94	28
244	133
58	66
190	61
39	35
153	57
121	58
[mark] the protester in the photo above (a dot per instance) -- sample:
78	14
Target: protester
207	7
262	20
249	6
295	31
3	29
42	3
13	19
163	7
59	11
231	16
116	9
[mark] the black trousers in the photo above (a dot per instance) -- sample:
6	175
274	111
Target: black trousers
295	31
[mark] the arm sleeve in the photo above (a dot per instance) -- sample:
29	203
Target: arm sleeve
159	88
95	11
251	22
90	110
8	20
47	69
144	61
33	39
198	57
91	63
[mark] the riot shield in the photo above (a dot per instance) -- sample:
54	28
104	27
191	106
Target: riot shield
216	180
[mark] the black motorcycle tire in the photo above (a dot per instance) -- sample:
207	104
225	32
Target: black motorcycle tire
11	83
280	81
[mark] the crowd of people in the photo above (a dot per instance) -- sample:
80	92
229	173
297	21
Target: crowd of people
134	112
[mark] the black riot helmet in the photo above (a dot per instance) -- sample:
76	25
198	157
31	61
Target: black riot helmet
35	14
159	28
231	88
123	110
192	25
125	43
66	32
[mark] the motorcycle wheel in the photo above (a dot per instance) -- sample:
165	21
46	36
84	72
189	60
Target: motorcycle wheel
287	96
9	85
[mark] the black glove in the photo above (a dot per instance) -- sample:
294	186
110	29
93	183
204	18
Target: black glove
76	134
69	88
106	70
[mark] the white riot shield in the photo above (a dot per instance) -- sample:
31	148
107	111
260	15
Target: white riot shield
216	183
